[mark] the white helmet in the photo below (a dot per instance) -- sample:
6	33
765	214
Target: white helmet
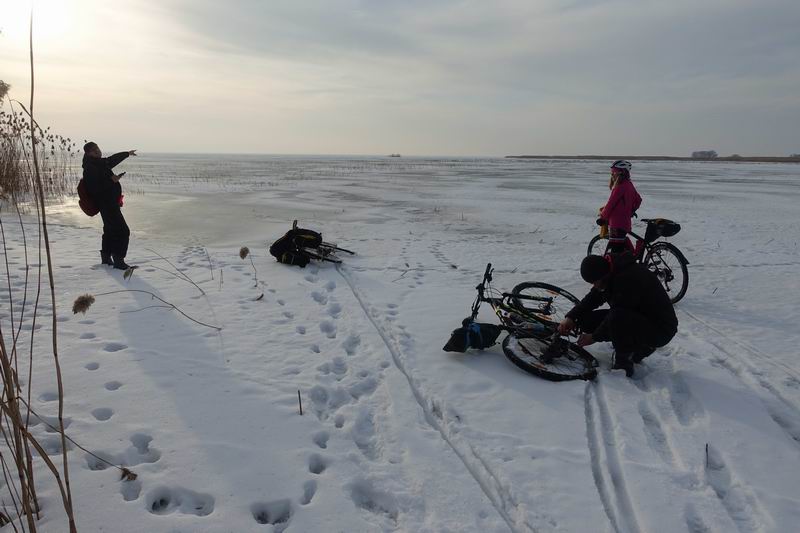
621	164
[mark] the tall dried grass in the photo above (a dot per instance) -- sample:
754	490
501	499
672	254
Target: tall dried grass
33	168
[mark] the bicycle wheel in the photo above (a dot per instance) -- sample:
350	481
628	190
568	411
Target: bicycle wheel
526	353
597	246
664	260
543	302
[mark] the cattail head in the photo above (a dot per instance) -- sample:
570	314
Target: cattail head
82	304
244	251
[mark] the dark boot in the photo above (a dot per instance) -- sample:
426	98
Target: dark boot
622	361
641	353
105	257
119	263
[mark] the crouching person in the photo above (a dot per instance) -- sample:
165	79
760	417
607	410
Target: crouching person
640	318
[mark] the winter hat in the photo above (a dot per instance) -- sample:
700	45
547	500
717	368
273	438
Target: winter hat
594	268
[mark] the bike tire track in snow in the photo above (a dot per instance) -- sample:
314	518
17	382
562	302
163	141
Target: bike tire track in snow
597	456
744	345
486	478
783	411
610	481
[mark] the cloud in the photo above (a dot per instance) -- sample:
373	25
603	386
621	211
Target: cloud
457	76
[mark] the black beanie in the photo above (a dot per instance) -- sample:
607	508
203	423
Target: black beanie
594	268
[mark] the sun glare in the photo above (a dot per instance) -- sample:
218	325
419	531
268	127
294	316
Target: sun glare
52	19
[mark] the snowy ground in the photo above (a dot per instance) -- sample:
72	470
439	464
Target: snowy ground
398	435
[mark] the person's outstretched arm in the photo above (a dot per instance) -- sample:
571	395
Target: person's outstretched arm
118	158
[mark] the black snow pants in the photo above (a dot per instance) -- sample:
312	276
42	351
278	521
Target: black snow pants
630	331
115	232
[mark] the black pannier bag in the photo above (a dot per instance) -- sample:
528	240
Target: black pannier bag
289	248
472	335
660	227
296	258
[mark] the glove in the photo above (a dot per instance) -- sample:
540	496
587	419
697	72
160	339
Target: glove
601	222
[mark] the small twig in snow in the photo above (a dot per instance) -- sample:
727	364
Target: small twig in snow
210	265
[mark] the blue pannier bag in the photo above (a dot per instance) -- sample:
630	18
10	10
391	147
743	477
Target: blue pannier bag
472	335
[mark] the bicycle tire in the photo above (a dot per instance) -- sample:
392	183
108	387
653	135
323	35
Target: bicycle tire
664	260
597	249
563	301
525	352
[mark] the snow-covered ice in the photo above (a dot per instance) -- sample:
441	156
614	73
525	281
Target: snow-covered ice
396	434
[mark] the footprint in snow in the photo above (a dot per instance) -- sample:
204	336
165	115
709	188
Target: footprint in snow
113	385
301	330
351	344
48	396
130	490
380	503
320	438
364	387
51	424
102	413
277	513
328	328
114	347
334	310
92	366
339	366
51	445
687	408
319	297
309	490
88	335
317	464
138	453
167	500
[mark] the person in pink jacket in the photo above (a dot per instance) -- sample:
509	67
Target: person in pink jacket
620	207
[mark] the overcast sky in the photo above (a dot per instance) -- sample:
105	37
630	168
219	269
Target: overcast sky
439	77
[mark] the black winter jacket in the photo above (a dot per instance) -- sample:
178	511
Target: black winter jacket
632	287
97	175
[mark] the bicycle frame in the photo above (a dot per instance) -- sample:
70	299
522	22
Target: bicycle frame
505	310
641	250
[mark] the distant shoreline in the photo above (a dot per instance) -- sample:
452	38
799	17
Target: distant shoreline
726	159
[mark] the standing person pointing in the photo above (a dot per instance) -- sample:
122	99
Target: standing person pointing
106	193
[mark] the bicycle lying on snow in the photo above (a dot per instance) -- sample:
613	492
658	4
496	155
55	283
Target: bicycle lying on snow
530	314
662	258
299	246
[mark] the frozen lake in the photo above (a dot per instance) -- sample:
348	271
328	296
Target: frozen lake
398	435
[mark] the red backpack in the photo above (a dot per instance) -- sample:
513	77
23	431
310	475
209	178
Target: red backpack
85	201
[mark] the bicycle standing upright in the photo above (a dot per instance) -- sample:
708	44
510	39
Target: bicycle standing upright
662	258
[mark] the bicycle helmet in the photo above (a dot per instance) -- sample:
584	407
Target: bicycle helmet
621	164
